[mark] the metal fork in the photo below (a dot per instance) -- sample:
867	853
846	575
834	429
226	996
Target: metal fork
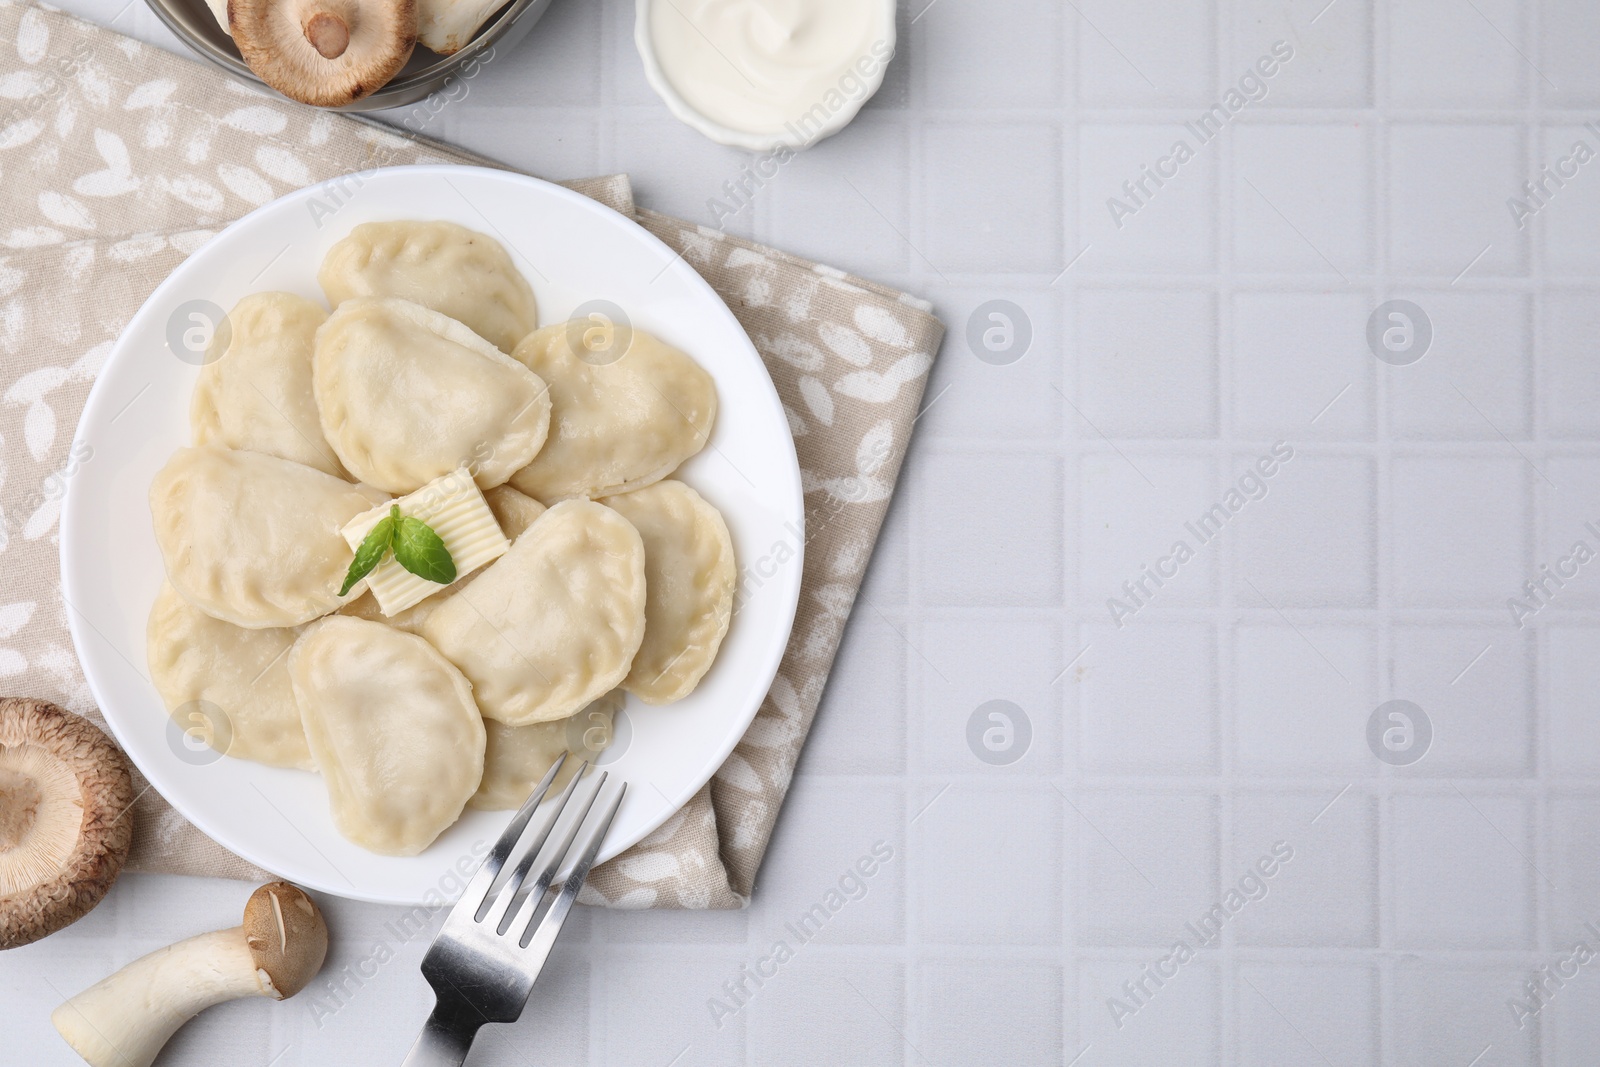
483	962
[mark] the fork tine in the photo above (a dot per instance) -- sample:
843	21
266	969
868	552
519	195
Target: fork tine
558	857
494	919
538	940
472	897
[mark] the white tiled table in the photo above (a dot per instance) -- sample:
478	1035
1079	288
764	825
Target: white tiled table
1229	312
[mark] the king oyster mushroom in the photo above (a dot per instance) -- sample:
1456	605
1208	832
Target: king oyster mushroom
447	25
219	8
65	827
124	1020
324	52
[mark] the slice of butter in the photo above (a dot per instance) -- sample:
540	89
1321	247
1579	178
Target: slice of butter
456	510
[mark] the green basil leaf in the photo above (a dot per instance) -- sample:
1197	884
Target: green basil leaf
419	550
373	548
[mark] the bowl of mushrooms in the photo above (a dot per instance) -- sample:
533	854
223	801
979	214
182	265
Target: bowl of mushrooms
350	55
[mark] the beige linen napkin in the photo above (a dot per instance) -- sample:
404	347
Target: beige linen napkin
117	160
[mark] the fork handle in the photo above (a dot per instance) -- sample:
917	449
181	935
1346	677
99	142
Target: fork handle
445	1038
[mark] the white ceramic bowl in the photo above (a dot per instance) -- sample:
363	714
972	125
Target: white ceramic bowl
572	250
754	142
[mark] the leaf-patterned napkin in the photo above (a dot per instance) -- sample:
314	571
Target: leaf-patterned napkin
117	160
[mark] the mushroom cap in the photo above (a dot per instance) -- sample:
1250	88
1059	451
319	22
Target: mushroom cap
65	823
324	52
286	935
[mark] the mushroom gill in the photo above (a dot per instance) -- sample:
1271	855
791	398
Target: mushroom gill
324	52
40	813
65	827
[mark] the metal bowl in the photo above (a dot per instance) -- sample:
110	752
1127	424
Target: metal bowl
425	73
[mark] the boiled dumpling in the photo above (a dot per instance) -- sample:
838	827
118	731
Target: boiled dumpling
689	582
453	270
515	512
517	757
253	539
226	683
515	509
552	624
256	393
618	425
393	729
408	395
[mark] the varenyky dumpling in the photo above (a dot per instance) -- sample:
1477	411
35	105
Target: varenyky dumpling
407	395
253	539
517	757
393	729
552	624
689	581
256	393
515	509
617	425
226	684
453	270
515	512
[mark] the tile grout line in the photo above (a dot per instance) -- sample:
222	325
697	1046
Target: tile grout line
1069	632
1538	507
917	197
916	222
1381	808
1071	627
1224	636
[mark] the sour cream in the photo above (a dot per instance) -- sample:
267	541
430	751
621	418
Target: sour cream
760	73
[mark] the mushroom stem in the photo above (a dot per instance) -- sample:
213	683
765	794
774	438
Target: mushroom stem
328	34
124	1020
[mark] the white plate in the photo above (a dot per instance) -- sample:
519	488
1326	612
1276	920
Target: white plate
572	250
